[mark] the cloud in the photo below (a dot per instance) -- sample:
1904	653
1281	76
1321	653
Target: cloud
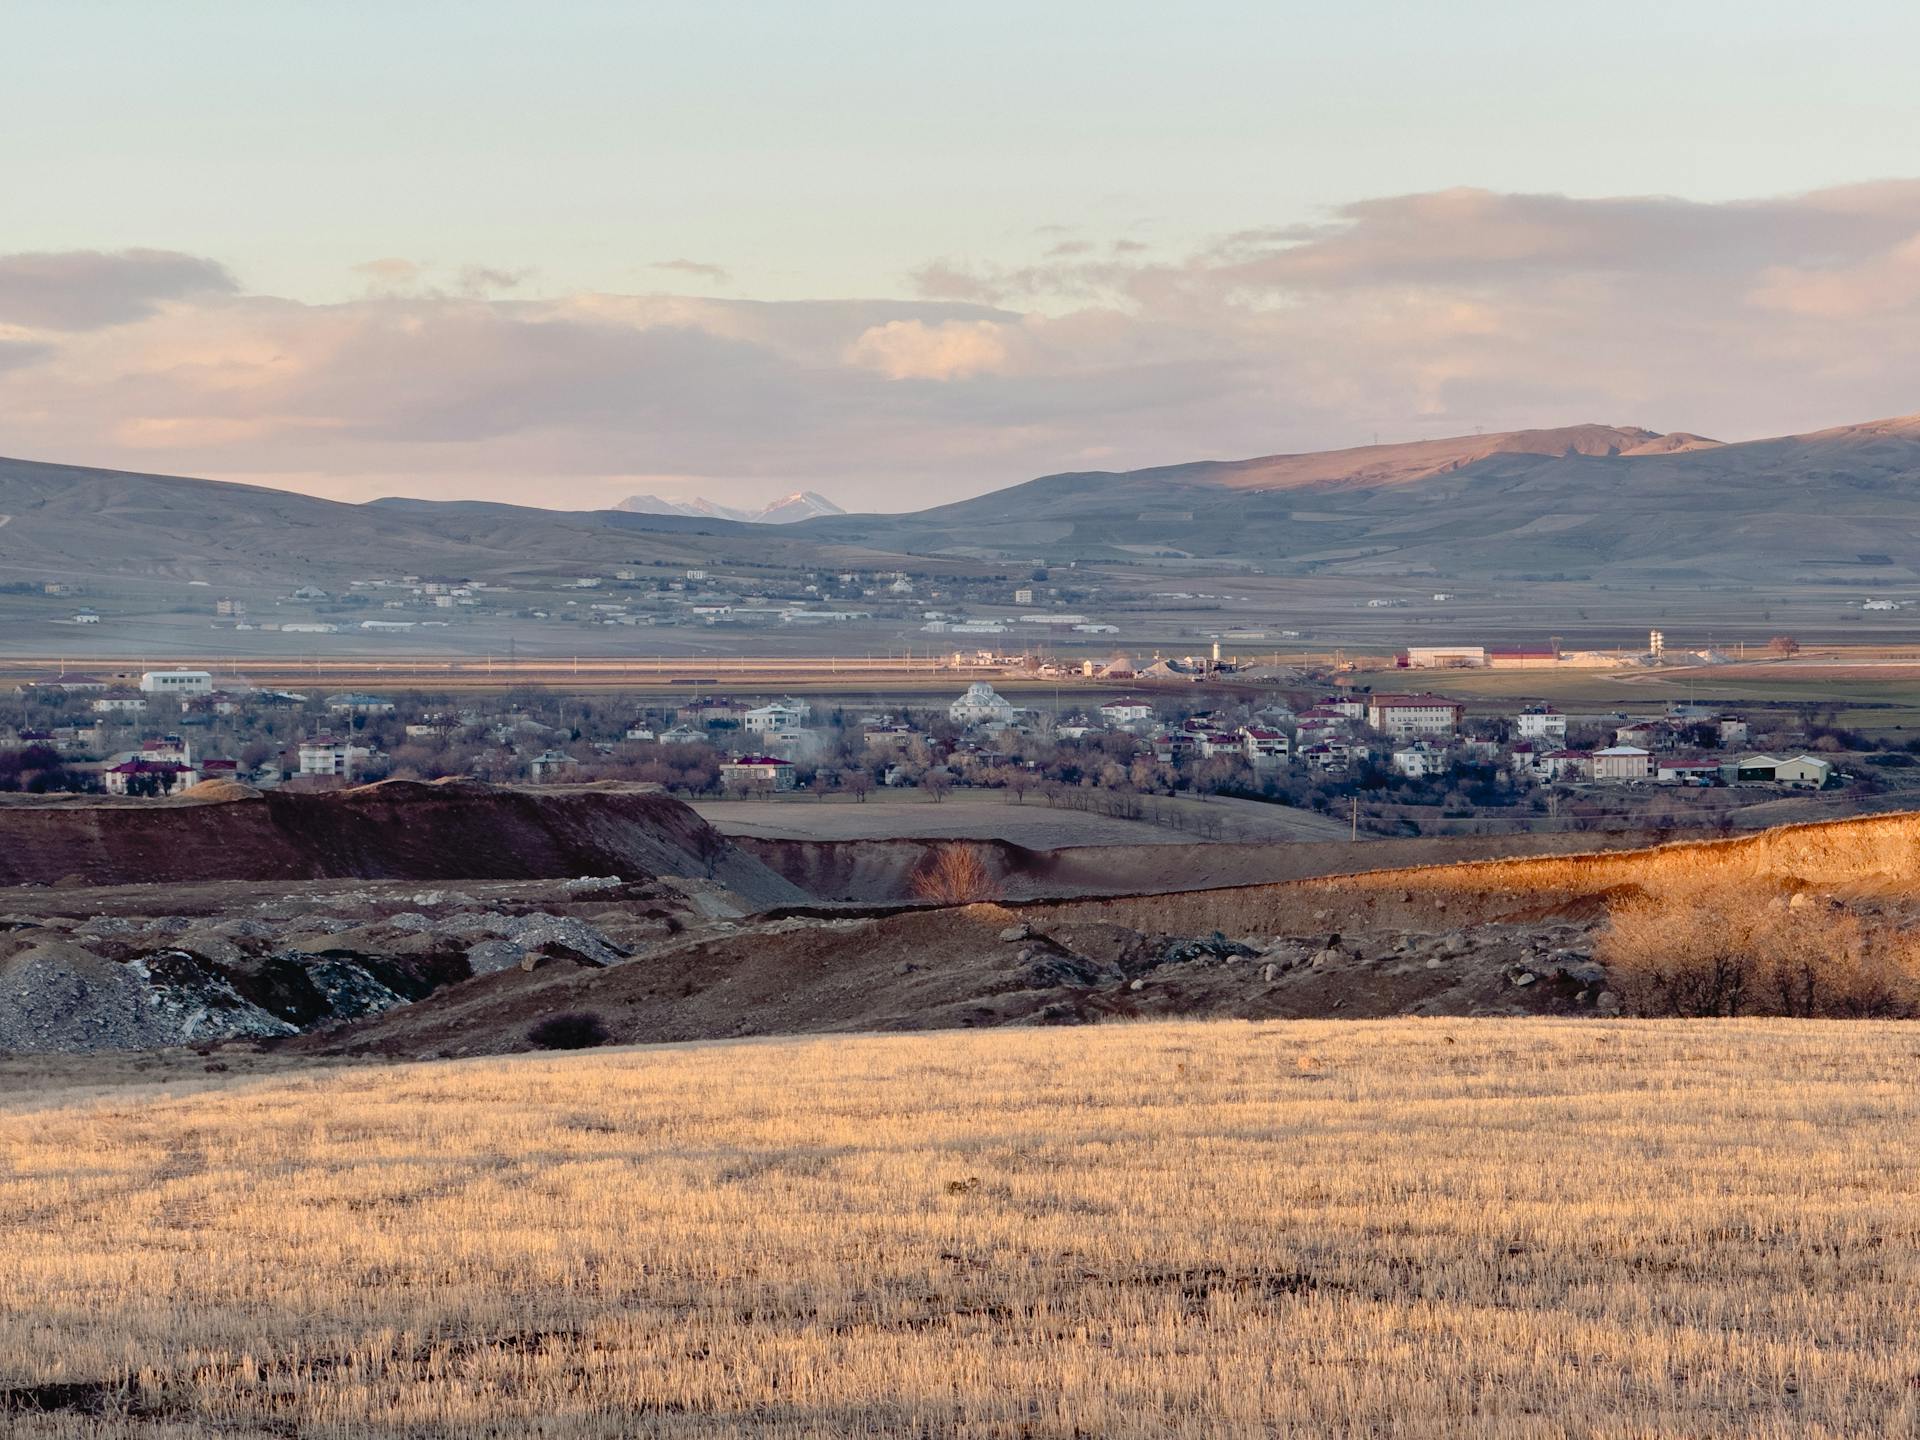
16	353
89	289
1412	316
392	270
698	269
914	350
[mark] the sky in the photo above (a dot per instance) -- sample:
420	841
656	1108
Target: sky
899	254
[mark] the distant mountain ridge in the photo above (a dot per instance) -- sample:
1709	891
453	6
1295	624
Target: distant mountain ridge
788	509
1581	502
1604	503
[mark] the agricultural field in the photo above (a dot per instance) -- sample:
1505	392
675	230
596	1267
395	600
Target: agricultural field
1521	1228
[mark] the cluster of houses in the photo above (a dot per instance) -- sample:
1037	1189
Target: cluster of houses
1419	736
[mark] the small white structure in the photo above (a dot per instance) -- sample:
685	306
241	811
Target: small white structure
1126	712
980	705
176	682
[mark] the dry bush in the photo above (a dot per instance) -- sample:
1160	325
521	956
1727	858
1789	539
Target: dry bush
1737	951
955	875
575	1030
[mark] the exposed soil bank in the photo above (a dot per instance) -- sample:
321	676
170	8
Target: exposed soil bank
393	830
877	871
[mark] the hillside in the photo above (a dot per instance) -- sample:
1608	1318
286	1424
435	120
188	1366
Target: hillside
73	523
1588	502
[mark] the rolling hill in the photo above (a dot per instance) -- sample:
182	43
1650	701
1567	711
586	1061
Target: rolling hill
1587	502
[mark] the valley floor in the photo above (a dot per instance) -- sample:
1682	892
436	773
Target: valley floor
1438	1227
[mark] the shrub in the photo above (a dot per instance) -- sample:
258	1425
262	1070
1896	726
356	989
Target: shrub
575	1030
954	875
1740	952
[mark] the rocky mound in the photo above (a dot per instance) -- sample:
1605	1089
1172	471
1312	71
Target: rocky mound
399	830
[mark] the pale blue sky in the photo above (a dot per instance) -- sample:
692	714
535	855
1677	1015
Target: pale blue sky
931	250
828	149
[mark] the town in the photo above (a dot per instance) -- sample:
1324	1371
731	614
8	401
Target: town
1391	761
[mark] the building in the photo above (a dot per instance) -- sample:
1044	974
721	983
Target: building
1564	765
148	777
1523	657
1622	762
176	682
71	681
551	765
1540	722
1687	770
1347	707
1265	748
229	607
166	749
1023	596
1444	657
355	704
1126	712
776	718
980	706
1802	772
324	755
757	771
1652	734
1419	760
1403	715
119	702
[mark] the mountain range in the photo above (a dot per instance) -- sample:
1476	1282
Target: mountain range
1598	503
801	505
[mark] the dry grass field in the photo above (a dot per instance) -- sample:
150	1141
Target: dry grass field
1402	1228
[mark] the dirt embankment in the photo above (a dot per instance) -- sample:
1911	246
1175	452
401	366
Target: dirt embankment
1867	854
879	871
393	830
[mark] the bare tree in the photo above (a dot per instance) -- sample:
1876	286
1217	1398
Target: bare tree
937	782
955	875
857	783
1783	645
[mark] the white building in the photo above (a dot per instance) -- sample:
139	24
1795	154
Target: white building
980	705
1418	761
176	682
324	755
1540	723
778	718
1126	712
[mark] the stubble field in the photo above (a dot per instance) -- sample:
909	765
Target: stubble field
1411	1228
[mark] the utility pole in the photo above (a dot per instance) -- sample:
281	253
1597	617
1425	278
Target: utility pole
1354	833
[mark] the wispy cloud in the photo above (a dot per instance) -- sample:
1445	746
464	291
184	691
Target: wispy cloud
697	269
